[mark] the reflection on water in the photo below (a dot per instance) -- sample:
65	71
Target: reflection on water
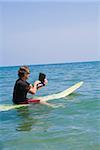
31	117
26	120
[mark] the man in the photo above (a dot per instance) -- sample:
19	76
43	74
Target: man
22	87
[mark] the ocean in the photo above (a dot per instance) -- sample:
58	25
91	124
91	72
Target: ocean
73	126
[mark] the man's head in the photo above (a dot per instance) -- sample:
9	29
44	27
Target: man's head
23	72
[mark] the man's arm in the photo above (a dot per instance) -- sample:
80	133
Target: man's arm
33	88
37	85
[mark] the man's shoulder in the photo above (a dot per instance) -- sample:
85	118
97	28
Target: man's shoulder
19	81
22	82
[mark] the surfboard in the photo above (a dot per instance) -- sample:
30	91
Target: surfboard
7	107
59	95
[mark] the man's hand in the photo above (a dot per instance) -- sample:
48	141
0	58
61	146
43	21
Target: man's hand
45	81
37	82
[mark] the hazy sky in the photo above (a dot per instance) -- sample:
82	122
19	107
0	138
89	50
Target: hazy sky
49	32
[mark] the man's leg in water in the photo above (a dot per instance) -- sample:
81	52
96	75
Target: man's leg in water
46	103
41	102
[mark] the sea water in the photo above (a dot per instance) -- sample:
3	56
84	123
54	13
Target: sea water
73	126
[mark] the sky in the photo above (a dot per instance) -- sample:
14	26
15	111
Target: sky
43	32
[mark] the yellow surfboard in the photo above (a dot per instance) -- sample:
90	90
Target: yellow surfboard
9	107
45	98
62	94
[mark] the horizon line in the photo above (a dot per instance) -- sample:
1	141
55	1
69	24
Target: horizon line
50	63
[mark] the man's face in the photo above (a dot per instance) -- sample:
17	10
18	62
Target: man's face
27	74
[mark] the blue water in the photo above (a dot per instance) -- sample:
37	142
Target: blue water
75	126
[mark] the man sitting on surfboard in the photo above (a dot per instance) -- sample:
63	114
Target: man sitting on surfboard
22	87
